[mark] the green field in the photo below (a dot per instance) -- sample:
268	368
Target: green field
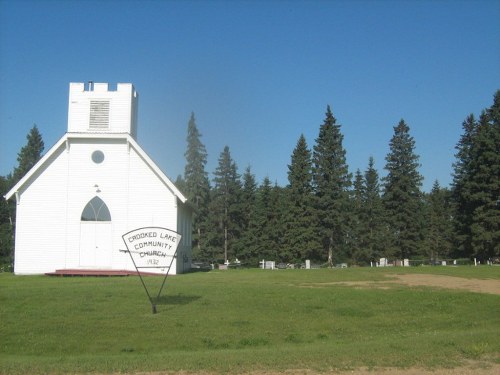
245	320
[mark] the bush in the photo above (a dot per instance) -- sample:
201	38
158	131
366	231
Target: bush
6	264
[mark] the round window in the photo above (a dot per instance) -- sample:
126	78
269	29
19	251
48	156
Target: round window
98	157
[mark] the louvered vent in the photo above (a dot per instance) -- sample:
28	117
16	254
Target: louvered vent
99	114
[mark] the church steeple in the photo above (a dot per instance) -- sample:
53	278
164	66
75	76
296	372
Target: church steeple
94	108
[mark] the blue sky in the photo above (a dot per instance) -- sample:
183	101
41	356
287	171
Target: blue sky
257	74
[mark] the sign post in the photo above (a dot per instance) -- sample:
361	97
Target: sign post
152	248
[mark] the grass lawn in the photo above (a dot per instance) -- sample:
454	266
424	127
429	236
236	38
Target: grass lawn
245	320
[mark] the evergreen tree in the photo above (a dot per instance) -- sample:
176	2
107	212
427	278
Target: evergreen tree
27	157
375	237
6	224
476	185
196	184
29	154
402	196
439	230
485	189
276	225
461	187
244	246
331	182
181	184
225	208
358	224
300	238
489	218
248	197
265	247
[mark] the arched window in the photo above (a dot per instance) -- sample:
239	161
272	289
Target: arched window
96	210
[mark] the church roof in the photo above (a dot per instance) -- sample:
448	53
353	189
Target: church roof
65	141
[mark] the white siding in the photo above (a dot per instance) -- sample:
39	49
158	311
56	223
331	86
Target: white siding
49	212
150	203
122	108
40	219
49	231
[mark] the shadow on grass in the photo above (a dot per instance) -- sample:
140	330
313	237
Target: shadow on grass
179	299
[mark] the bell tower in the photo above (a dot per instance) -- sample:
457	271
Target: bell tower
95	108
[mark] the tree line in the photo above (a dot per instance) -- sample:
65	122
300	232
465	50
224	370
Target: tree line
325	213
328	215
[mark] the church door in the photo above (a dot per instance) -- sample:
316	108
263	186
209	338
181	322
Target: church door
95	235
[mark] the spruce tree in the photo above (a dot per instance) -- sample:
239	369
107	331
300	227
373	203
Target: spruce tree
248	196
275	226
331	183
461	188
439	230
375	238
7	211
196	184
358	224
485	189
29	154
300	238
476	185
402	195
264	222
225	207
27	157
244	245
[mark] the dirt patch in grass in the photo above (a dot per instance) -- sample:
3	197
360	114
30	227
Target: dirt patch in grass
449	282
464	370
473	368
436	281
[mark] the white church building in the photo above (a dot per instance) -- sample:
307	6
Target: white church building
93	186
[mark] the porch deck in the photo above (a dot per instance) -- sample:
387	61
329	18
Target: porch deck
97	273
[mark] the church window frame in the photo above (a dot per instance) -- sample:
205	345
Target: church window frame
96	210
98	156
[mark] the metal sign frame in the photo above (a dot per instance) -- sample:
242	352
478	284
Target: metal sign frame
154	245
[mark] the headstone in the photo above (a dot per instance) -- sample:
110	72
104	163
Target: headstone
269	265
308	264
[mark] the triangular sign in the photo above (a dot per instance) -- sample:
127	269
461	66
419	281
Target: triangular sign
153	250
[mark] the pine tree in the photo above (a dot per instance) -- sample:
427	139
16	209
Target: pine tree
402	196
196	184
300	239
331	183
225	207
29	154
